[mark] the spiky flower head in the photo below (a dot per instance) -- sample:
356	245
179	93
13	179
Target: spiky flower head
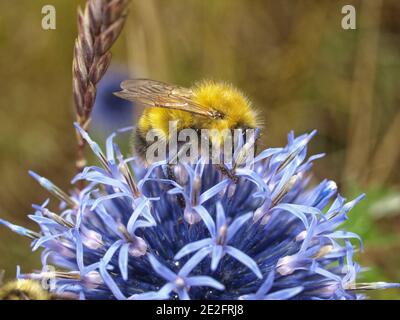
135	233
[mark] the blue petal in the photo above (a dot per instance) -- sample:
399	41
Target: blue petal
109	147
327	274
220	216
43	240
377	286
204	281
237	224
193	246
287	175
133	218
108	220
340	234
284	294
217	253
146	210
310	233
252	176
110	197
348	206
123	261
111	251
245	259
293	210
142	224
44	221
108	280
267	285
183	294
213	191
267	153
161	270
101	179
93	145
89	268
206	217
165	291
193	262
20	230
79	249
151	295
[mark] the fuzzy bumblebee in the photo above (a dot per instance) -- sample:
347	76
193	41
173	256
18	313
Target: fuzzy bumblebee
23	289
207	105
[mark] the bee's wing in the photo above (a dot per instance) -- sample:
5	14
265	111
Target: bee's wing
153	93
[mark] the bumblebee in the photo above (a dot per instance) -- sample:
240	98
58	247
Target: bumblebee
23	290
206	105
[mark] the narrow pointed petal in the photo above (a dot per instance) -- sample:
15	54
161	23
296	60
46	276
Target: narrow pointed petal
108	280
245	259
266	286
123	261
237	224
204	281
220	216
161	270
192	247
208	221
217	253
111	251
284	294
193	262
183	294
213	191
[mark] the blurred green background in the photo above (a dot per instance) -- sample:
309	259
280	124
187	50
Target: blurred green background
292	58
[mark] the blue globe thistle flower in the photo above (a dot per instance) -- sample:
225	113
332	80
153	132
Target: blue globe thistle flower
270	235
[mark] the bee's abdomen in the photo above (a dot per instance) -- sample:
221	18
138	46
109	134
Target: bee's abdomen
23	290
16	294
139	143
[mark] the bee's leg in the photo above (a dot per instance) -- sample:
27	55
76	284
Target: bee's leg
227	172
171	175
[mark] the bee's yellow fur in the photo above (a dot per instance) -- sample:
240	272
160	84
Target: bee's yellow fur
227	99
23	290
219	96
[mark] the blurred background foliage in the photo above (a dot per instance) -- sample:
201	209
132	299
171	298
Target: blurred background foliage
292	58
